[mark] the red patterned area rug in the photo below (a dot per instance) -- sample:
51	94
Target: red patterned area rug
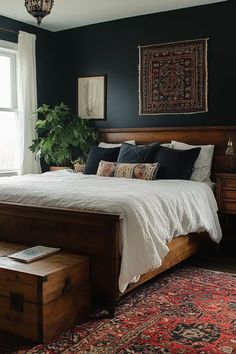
188	310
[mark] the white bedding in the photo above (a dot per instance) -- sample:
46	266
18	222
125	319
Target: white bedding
152	212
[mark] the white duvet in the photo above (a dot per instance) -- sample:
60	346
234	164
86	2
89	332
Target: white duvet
151	212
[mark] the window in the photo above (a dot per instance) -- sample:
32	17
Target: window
8	108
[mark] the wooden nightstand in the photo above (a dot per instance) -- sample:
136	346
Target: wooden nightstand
226	199
226	192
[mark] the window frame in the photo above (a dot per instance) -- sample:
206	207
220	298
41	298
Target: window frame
9	49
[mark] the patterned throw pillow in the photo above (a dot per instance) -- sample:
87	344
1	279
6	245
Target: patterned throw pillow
145	171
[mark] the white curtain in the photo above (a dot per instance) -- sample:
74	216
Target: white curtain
27	102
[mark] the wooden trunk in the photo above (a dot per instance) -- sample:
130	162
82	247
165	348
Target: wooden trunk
41	299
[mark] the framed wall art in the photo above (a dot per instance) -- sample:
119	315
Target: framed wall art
92	97
173	78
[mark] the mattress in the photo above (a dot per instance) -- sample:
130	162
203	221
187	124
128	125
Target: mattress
151	212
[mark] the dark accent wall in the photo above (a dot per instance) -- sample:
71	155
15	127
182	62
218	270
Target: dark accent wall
45	56
112	48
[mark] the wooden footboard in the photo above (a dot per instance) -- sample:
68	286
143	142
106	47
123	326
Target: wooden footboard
93	234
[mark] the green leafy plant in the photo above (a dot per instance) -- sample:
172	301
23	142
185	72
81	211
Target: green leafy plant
61	136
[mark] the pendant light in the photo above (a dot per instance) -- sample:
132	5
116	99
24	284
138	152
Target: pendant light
39	8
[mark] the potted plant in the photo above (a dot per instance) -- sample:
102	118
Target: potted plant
61	136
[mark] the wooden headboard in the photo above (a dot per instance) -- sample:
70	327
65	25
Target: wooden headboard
216	135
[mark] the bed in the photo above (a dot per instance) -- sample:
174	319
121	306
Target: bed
96	234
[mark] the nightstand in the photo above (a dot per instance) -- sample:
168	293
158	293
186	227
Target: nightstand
226	199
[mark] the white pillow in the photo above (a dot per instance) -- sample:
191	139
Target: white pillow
110	145
167	145
202	166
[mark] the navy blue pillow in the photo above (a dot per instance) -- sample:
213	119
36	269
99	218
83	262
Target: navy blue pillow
137	154
174	163
97	154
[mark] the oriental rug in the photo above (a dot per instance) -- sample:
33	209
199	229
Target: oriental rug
185	311
173	78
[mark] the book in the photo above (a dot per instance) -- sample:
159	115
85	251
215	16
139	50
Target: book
33	253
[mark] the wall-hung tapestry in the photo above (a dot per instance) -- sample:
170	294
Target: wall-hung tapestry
173	78
91	97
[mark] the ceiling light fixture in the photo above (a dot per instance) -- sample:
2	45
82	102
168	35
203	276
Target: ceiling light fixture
39	8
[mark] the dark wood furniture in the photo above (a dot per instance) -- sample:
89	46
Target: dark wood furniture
226	199
97	234
41	299
226	192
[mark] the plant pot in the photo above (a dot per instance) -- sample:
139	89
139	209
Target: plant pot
57	168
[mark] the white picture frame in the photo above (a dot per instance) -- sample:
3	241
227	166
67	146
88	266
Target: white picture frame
91	97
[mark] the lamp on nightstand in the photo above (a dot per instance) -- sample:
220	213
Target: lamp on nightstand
229	152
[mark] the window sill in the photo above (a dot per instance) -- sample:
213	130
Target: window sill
8	173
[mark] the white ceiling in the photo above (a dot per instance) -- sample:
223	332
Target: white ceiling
74	13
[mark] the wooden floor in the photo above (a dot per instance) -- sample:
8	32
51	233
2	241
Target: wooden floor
220	263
